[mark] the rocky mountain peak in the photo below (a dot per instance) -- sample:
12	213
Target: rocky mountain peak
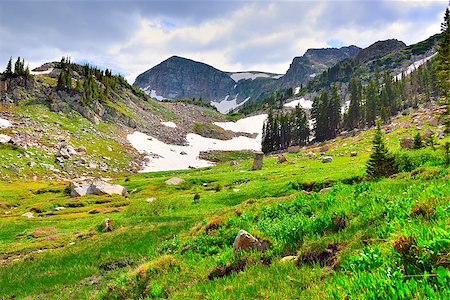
379	49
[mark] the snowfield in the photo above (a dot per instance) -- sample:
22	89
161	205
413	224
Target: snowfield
414	66
4	123
225	106
169	124
4	138
164	157
247	75
42	72
305	104
152	93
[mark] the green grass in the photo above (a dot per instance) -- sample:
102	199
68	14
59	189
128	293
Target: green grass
392	234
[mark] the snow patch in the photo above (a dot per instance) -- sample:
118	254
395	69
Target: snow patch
277	76
414	66
169	124
164	157
152	93
4	123
225	106
252	124
296	90
4	138
247	75
305	104
42	72
345	107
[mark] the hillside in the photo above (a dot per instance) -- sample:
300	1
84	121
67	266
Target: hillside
329	232
63	132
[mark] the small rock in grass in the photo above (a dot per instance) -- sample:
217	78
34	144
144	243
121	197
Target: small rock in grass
327	159
59	208
149	200
174	181
107	225
288	259
246	241
353	153
29	215
281	158
257	162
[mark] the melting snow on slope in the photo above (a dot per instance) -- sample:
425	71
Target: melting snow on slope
296	90
152	93
4	138
42	72
306	104
252	124
414	66
225	106
164	156
247	75
169	124
4	123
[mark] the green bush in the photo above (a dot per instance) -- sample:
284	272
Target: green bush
408	160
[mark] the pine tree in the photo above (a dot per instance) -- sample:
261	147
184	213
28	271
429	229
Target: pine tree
417	143
443	68
354	116
9	71
371	103
381	163
334	112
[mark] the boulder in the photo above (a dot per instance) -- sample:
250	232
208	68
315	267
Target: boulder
174	181
427	133
433	121
406	142
440	134
246	241
80	188
281	158
107	225
294	149
29	215
309	154
4	138
353	153
234	163
257	161
183	153
100	187
327	159
324	148
97	187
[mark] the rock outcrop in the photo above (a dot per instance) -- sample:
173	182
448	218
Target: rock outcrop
97	187
257	161
246	241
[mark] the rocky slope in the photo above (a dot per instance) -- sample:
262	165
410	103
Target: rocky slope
59	131
314	62
179	77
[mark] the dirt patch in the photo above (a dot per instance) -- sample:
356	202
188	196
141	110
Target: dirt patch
222	271
325	257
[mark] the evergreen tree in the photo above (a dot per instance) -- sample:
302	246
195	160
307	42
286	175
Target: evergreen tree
9	71
418	143
334	113
443	68
354	116
371	103
381	163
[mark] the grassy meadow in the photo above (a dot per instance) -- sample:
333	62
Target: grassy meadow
349	237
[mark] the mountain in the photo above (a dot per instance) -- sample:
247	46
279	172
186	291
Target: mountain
314	62
379	49
179	77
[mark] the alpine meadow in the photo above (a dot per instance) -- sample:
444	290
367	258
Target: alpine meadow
326	176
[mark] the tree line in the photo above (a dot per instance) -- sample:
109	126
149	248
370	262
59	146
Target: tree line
284	129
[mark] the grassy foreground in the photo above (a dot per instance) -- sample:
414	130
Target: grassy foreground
360	239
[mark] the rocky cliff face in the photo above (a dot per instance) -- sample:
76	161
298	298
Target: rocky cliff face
314	62
179	77
379	49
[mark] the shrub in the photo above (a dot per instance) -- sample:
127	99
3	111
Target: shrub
408	161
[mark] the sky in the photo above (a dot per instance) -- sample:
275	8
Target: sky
130	37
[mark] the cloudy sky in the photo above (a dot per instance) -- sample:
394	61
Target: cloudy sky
132	36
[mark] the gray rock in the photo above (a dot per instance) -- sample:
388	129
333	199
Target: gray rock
281	158
406	142
327	159
257	162
29	215
174	181
97	187
246	241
